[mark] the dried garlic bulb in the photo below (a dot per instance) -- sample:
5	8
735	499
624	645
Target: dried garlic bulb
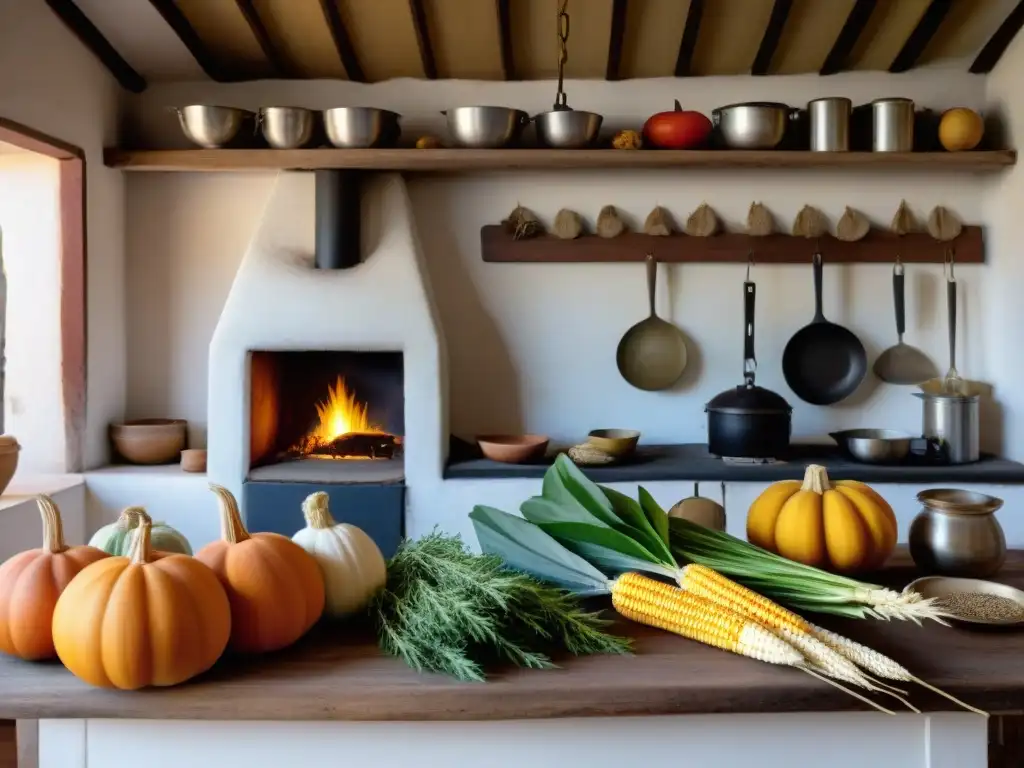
608	222
852	226
522	223
587	455
760	221
568	225
703	222
903	223
810	222
943	224
659	223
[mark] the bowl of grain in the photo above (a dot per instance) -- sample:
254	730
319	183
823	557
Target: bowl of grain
973	601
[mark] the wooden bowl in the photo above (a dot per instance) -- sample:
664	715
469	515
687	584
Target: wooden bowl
614	442
512	449
193	460
149	441
9	449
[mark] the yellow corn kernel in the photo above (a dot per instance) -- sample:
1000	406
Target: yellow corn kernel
656	604
710	584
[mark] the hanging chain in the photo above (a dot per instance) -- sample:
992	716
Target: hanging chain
563	52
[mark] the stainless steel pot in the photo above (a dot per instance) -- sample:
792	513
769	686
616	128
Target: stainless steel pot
209	126
892	123
830	124
286	127
567	128
361	127
753	125
485	127
957	534
952	421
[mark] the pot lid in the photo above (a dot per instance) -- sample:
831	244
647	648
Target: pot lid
748	399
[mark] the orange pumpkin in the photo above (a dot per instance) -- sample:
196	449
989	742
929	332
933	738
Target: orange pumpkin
30	584
274	585
130	622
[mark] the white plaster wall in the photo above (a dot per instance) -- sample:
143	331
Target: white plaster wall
49	81
30	243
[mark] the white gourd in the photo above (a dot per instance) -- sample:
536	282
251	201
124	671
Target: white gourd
351	563
116	538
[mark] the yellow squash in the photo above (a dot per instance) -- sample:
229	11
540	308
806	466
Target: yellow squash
843	526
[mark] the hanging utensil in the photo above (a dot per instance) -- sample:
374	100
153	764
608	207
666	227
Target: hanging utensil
652	354
564	127
902	363
701	510
952	384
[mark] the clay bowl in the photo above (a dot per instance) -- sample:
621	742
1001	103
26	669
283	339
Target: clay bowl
512	449
149	441
193	460
8	460
614	442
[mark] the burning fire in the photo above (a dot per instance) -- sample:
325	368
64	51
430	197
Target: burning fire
340	414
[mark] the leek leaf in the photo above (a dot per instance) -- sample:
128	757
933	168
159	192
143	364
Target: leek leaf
635	523
654	513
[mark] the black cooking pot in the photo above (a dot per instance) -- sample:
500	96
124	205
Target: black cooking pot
749	421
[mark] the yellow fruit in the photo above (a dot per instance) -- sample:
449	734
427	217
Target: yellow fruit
428	142
845	527
960	129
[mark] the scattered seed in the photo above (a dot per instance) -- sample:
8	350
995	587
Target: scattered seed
978	605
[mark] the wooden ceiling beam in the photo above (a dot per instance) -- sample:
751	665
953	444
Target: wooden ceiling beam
190	39
508	64
925	30
615	40
772	35
688	42
419	23
342	42
259	30
999	42
91	37
848	36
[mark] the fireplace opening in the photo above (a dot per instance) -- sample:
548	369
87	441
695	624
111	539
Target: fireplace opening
326	416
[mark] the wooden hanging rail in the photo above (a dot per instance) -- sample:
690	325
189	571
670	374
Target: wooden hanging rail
879	246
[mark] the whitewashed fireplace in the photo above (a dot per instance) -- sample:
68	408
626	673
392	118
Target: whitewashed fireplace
280	302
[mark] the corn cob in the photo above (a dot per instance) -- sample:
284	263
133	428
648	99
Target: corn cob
714	586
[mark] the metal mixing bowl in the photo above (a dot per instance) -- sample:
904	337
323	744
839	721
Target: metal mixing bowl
485	127
286	127
209	126
753	125
873	446
361	127
567	128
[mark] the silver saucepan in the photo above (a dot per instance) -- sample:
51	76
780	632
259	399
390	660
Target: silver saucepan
754	124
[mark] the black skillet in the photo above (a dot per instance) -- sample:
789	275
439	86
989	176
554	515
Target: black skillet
823	363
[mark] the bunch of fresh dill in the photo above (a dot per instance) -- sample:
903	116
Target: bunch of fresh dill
448	610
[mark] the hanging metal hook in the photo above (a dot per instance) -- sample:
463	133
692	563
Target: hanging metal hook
948	262
750	263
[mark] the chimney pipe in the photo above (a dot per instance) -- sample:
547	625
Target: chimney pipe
338	219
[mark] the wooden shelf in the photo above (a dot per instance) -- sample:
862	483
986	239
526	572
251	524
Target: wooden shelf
879	246
460	160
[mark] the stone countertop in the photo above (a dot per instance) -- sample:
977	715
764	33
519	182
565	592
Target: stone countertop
692	461
339	674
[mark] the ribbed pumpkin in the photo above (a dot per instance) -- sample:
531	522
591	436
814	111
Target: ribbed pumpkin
274	586
131	622
116	538
843	526
351	563
31	582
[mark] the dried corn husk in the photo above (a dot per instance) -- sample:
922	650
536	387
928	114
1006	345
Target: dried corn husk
810	222
703	222
853	225
659	223
943	224
903	222
760	221
587	455
522	222
568	225
608	222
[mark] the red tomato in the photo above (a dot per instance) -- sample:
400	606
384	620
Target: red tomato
680	129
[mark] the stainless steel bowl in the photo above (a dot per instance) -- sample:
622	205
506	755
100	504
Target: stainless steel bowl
209	126
286	127
361	127
873	446
567	128
485	127
753	125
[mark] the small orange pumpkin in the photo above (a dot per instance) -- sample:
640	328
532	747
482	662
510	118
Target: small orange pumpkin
274	585
146	619
31	582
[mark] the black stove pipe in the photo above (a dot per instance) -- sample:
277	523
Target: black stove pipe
338	219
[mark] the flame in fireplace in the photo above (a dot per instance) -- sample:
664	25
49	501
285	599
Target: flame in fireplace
340	414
